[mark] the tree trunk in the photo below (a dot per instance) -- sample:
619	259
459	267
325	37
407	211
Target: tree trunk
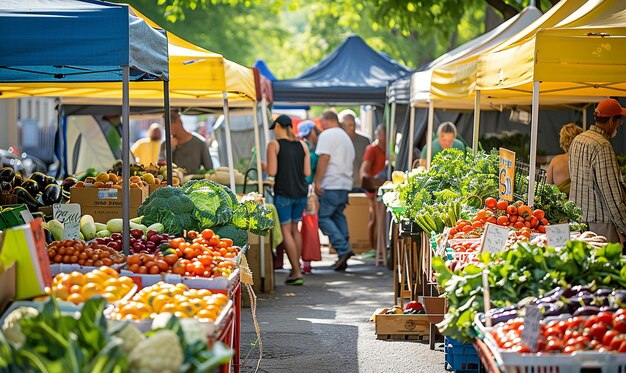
507	11
453	40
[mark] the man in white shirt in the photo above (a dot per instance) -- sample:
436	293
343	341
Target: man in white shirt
333	182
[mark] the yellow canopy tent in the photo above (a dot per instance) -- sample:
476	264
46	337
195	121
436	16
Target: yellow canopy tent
582	55
198	78
420	87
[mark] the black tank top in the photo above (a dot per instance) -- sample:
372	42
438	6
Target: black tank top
290	181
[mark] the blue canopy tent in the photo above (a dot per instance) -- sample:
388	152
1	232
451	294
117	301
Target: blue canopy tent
50	42
353	74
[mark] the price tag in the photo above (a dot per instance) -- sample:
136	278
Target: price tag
557	234
69	215
244	270
26	216
494	239
507	174
530	334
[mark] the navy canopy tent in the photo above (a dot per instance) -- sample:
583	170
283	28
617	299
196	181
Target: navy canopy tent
48	43
353	74
74	41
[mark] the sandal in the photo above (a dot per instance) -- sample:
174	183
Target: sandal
296	281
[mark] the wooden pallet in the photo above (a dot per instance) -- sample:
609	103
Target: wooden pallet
403	337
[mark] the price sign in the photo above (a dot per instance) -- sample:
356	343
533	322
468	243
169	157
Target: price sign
557	234
26	216
507	174
494	239
530	334
69	215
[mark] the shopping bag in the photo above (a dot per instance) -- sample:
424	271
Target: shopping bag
311	248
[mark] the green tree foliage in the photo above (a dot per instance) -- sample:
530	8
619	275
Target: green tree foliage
292	35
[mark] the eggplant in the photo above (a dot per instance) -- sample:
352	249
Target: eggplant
17	180
550	309
24	197
68	183
51	194
40	178
618	298
7	174
608	309
603	292
5	186
554	293
49	237
587	311
31	187
503	317
50	180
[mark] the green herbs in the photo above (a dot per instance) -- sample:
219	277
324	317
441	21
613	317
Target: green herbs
526	270
454	176
556	206
61	343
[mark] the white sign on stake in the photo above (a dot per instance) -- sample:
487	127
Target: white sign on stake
69	215
530	333
26	216
557	234
494	239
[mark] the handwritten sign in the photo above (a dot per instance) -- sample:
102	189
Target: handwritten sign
69	215
494	238
557	234
530	334
507	174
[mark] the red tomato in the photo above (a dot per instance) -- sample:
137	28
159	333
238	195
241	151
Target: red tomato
534	222
622	347
502	220
619	323
491	203
616	342
605	317
511	210
554	345
598	330
608	337
502	205
518	225
477	224
482	214
542	229
539	214
492	220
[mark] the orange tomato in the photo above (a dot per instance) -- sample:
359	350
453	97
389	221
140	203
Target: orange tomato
162	265
153	270
502	205
207	234
198	268
214	241
205	259
502	220
189	253
228	241
170	259
134	268
192	234
142	270
178	269
175	243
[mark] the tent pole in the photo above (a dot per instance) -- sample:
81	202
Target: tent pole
584	110
390	138
411	139
229	145
266	125
476	122
125	162
429	133
257	144
534	124
168	130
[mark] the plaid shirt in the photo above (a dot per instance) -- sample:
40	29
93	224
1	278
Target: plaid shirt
596	182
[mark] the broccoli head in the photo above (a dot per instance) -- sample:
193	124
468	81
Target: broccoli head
170	207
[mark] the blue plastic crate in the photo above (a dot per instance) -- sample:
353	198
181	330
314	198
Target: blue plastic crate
460	357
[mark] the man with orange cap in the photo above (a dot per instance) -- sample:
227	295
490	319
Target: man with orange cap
597	185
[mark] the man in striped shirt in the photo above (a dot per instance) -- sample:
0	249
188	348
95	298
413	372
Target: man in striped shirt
596	180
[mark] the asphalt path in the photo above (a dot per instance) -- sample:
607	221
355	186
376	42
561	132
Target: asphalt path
323	326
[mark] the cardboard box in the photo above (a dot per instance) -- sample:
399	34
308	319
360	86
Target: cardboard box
266	284
153	187
358	216
106	203
393	326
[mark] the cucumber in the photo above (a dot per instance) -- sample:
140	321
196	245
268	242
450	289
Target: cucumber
115	225
56	228
157	227
100	227
103	234
137	220
88	227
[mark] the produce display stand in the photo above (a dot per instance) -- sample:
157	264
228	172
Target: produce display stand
406	271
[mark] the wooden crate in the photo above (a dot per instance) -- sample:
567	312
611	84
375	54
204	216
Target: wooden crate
402	327
261	284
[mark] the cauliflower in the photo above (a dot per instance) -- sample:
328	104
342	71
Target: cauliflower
11	326
131	337
160	352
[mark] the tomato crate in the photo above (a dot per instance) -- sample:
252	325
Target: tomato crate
400	326
460	357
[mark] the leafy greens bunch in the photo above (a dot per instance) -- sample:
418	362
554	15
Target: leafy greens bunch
523	271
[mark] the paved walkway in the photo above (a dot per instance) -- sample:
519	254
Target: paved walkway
324	325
